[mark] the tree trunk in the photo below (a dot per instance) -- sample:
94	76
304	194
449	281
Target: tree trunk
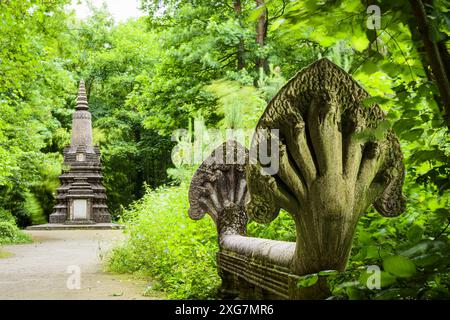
435	57
417	40
240	47
139	179
445	56
261	34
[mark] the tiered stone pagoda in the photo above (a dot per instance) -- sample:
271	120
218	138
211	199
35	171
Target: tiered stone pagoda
81	198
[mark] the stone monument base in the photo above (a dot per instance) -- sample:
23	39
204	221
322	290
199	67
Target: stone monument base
77	226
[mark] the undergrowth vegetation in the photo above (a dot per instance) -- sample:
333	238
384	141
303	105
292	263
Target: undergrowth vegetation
165	244
9	232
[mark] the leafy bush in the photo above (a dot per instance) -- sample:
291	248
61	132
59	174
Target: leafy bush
9	233
282	228
7	230
168	246
34	209
6	216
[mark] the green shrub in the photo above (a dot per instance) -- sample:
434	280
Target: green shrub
9	234
282	228
7	230
34	209
168	246
6	216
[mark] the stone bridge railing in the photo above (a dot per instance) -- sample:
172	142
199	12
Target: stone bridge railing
329	160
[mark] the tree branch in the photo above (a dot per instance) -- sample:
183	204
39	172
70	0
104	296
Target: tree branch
432	50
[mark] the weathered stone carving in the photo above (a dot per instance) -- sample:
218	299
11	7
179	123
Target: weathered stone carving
81	197
219	187
249	267
331	167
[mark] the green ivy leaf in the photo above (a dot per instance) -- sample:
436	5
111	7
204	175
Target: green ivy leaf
308	280
399	266
427	155
426	246
354	293
427	259
395	293
374	100
328	273
386	279
360	43
414	233
403	125
412	135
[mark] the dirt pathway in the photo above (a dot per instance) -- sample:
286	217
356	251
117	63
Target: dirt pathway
48	268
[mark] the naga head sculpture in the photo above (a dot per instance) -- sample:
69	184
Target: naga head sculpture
218	188
327	165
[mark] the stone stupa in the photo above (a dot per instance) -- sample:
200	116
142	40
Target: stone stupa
81	198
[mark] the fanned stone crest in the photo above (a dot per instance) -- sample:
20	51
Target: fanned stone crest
219	189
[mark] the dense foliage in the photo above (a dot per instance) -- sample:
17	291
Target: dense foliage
216	64
9	232
176	251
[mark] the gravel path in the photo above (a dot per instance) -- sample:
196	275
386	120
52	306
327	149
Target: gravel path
48	268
